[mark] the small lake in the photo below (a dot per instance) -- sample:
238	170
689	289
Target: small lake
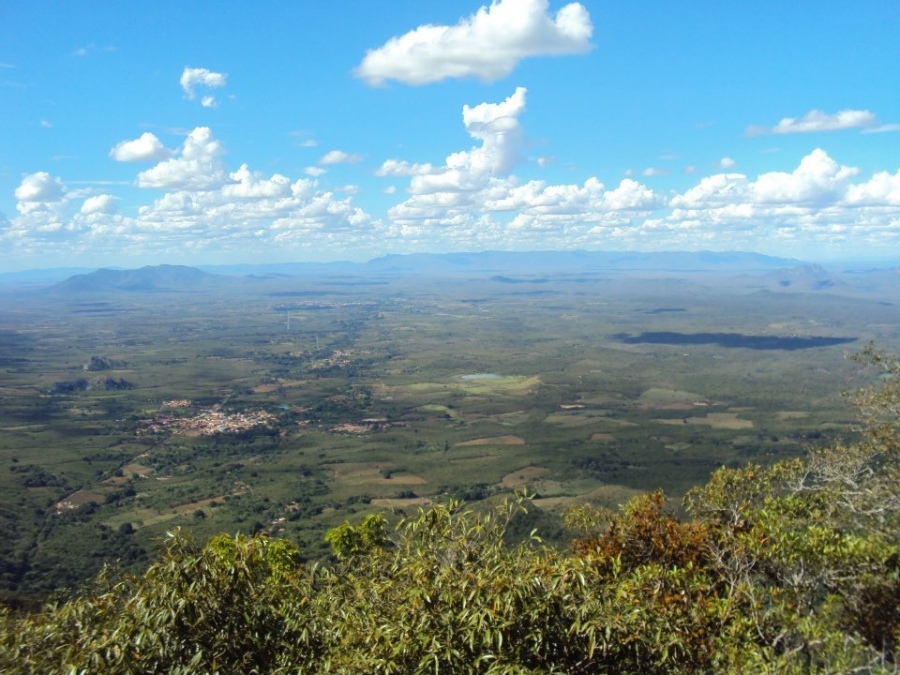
478	376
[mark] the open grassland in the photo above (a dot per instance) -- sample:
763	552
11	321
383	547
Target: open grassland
219	414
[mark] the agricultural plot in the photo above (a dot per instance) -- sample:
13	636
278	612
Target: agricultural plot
288	405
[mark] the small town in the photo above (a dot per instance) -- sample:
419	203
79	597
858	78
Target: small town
207	423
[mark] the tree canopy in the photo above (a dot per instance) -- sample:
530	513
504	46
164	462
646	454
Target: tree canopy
788	568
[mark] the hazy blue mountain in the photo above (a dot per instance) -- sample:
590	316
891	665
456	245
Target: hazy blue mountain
765	272
145	279
541	262
40	277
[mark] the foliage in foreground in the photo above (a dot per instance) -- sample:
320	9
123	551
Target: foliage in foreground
792	568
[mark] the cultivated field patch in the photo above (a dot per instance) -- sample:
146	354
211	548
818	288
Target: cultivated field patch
719	420
786	415
269	387
511	385
492	440
79	498
370	472
670	398
523	476
137	470
570	419
398	503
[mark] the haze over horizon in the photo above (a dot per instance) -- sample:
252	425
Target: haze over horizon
205	134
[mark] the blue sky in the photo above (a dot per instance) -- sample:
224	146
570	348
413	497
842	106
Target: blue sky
210	132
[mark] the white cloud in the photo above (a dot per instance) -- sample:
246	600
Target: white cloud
44	208
475	200
882	128
496	125
653	171
471	200
725	163
819	205
818	180
339	157
816	120
250	185
91	49
40	187
487	45
816	207
46	125
398	167
192	78
98	204
303	138
883	189
713	191
145	148
197	165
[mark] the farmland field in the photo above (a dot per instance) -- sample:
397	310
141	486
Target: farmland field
289	404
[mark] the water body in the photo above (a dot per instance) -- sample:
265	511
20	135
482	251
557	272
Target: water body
734	340
479	376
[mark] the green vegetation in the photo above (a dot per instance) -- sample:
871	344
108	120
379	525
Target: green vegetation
288	405
790	568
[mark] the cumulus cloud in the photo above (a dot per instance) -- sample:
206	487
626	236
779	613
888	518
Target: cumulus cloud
339	157
496	126
204	207
98	204
817	206
40	187
816	120
251	185
471	199
194	78
44	208
725	163
145	148
474	198
817	181
197	165
883	189
399	167
486	45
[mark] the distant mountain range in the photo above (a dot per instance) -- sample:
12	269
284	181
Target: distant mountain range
525	262
146	279
761	271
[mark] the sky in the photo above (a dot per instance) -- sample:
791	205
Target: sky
217	133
